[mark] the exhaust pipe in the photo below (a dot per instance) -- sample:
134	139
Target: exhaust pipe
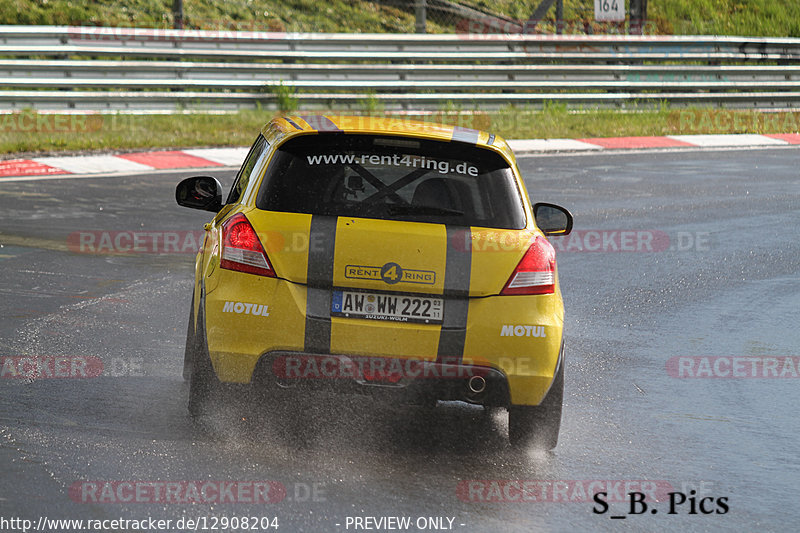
476	384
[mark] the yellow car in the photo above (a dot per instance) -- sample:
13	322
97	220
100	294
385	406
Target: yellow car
380	256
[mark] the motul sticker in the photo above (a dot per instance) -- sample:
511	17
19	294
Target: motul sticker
246	308
522	331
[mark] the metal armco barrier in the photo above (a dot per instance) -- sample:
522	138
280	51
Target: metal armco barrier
76	69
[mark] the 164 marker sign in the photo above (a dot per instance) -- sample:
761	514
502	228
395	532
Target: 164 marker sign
609	10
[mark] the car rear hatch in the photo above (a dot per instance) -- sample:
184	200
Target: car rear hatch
390	240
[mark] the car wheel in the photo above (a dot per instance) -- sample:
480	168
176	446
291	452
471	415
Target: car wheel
188	352
538	425
204	387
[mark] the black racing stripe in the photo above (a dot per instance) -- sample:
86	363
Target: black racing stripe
458	270
322	241
292	122
465	135
320	122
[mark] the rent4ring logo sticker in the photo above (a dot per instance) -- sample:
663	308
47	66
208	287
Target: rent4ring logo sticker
390	273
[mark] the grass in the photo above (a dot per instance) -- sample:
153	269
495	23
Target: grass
258	15
125	132
29	133
766	18
773	18
680	17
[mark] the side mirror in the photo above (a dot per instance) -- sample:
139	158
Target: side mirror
552	219
200	192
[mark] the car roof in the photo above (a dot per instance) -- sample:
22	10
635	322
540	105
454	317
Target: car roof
282	128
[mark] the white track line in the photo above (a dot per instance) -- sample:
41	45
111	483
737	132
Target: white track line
740	139
223	156
550	145
92	164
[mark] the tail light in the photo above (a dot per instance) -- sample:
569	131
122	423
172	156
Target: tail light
241	249
536	272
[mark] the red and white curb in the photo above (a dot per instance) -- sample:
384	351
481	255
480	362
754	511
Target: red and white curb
133	162
233	157
670	141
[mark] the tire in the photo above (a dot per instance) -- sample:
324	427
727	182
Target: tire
188	352
538	425
205	389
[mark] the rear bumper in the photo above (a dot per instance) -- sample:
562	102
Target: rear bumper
408	379
250	318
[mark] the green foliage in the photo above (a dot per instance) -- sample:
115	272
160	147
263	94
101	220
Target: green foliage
774	18
285	97
685	17
371	106
254	15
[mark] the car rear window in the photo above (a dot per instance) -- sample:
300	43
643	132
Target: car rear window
392	178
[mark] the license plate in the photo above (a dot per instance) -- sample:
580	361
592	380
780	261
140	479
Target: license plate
399	308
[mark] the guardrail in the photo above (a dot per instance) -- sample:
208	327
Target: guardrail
148	70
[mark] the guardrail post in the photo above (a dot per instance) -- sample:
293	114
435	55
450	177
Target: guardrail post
420	10
537	16
177	13
638	16
559	17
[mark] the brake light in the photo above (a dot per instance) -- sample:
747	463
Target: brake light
536	272
241	249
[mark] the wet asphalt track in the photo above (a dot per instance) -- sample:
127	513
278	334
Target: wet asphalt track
736	294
